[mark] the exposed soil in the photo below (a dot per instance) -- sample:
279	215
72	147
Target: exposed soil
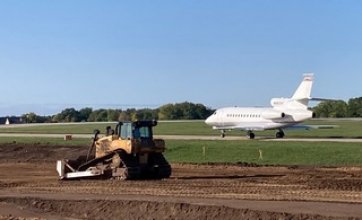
30	189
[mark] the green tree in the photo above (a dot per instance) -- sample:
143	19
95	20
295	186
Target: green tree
165	111
184	110
331	109
34	118
112	115
30	117
355	107
98	115
68	115
124	116
145	114
84	114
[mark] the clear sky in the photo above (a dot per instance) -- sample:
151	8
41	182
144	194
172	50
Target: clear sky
57	54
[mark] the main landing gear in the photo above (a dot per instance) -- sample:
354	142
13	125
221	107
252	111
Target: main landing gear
280	134
222	133
251	135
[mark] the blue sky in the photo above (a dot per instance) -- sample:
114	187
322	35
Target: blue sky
57	54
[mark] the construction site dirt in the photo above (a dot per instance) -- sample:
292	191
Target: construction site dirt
30	189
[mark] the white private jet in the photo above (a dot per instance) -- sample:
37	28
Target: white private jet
285	112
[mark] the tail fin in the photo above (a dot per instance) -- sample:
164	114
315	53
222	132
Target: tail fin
301	97
305	88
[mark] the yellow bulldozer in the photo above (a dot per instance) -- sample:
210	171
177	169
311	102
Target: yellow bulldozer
128	152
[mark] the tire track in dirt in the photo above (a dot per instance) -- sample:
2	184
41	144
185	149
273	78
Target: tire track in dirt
30	170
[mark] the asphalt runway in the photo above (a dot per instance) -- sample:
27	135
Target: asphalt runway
196	137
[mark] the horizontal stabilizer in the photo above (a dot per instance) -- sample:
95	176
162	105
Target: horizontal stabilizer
323	126
309	127
323	99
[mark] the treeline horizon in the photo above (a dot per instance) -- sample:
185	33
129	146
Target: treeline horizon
339	109
180	111
177	111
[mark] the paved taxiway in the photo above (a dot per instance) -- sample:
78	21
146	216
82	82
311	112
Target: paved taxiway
195	137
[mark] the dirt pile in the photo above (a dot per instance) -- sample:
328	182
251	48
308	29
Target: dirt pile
97	209
14	152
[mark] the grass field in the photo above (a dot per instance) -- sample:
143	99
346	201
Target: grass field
346	128
273	153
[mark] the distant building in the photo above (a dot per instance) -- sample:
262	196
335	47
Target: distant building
11	120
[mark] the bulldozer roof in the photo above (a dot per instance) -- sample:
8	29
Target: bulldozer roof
141	123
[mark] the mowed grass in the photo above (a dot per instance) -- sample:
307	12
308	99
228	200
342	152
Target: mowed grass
258	152
344	129
248	151
265	153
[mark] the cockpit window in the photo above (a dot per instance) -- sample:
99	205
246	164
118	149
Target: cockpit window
214	113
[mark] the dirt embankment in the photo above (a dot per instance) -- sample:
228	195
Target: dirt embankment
103	209
29	188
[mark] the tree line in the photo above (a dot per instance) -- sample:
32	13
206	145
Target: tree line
181	111
178	111
339	109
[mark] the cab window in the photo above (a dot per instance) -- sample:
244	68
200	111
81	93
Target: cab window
142	132
126	131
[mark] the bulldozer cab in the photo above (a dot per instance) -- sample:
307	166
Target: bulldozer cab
139	130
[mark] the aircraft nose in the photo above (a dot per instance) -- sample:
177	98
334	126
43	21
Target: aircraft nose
209	120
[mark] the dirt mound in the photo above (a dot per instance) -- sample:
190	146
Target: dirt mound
106	209
15	152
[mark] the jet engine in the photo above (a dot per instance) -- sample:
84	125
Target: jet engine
272	114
